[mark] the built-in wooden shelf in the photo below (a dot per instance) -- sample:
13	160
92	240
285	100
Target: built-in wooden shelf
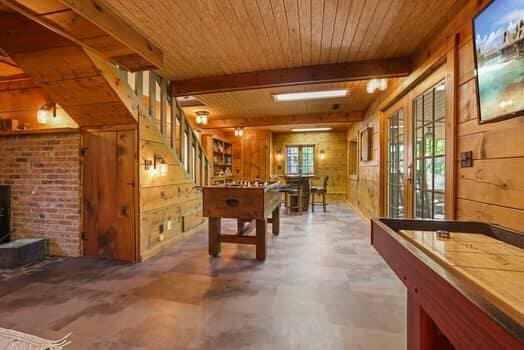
221	152
37	131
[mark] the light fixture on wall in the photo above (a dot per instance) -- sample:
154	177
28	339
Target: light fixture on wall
376	84
322	154
157	166
201	117
279	155
239	132
45	113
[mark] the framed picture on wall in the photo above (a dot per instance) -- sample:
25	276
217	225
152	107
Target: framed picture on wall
499	60
365	144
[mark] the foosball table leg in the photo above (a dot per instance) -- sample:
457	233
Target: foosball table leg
214	236
261	239
275	221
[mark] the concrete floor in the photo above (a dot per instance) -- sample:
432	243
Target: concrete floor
322	287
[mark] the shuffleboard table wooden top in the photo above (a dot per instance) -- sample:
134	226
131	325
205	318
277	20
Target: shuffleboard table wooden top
494	268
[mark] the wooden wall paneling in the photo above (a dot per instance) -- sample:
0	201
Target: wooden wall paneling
333	143
164	198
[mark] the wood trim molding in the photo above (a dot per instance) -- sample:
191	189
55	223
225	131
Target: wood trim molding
452	77
325	118
337	72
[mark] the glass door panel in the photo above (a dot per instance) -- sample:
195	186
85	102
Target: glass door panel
395	178
429	156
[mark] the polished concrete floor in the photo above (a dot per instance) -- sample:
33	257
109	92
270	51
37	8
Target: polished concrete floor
322	287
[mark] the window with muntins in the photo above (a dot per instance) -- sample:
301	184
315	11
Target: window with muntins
300	159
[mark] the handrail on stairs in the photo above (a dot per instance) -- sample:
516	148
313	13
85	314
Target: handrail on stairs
171	122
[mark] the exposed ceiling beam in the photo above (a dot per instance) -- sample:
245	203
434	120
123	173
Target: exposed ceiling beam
324	118
324	73
92	25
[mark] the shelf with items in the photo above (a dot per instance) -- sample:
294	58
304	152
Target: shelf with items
221	152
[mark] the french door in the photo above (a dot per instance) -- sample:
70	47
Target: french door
415	158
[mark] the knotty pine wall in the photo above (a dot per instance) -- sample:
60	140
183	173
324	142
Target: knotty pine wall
335	164
363	190
493	189
162	199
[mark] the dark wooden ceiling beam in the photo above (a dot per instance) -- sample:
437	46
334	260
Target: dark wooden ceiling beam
304	119
324	73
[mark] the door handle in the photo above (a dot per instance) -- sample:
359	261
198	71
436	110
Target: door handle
409	176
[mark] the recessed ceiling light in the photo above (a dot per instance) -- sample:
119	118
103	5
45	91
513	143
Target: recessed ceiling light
310	129
310	95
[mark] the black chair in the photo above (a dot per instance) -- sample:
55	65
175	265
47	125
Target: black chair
320	191
295	193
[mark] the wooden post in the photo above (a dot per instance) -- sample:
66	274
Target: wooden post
139	84
275	221
152	95
261	239
173	123
163	107
214	236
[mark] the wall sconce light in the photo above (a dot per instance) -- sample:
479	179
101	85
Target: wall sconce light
279	155
322	155
239	132
157	166
374	84
46	112
201	117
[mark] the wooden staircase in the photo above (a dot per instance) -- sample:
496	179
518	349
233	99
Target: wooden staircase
171	205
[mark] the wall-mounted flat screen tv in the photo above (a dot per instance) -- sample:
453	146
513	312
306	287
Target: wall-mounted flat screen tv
499	60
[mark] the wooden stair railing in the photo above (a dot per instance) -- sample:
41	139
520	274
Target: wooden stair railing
171	122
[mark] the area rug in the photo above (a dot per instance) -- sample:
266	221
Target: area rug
14	340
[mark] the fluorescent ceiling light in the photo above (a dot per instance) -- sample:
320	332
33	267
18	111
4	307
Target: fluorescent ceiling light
310	95
310	129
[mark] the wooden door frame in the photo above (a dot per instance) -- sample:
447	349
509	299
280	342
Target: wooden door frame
445	69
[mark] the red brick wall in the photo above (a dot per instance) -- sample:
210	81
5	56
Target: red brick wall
44	174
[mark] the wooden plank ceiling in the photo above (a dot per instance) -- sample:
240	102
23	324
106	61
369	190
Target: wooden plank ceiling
260	103
203	38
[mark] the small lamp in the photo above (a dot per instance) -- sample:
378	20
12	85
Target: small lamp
163	168
239	132
201	117
46	112
279	155
157	166
322	155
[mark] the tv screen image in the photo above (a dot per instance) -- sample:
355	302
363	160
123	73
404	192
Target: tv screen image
499	59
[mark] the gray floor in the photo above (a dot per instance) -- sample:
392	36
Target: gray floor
321	287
